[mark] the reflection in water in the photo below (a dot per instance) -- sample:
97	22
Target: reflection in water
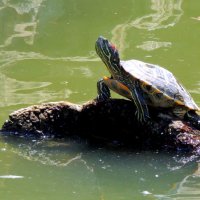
10	88
119	33
45	157
196	18
166	14
197	90
10	177
22	7
46	151
26	30
113	173
24	27
10	57
65	171
189	186
83	70
14	92
21	31
152	45
10	91
187	189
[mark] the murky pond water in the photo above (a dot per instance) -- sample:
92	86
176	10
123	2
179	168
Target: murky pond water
47	54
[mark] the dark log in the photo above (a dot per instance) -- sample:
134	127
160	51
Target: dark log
109	122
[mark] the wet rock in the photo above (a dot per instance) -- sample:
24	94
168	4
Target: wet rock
111	121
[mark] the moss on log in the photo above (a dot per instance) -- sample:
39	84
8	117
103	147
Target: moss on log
112	121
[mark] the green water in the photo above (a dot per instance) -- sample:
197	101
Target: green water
47	54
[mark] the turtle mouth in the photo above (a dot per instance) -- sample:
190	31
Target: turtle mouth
101	39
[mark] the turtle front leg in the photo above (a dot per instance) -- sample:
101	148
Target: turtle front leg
102	90
142	112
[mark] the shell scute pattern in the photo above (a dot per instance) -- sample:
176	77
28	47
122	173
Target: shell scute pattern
161	87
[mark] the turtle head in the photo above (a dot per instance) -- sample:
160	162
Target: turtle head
108	54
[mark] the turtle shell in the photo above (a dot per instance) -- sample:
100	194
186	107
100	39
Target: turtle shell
161	88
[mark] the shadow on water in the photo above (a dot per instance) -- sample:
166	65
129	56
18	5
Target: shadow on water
139	173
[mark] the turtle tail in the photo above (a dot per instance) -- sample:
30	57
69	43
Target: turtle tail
193	118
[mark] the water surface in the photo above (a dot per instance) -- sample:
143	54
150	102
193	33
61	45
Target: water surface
47	54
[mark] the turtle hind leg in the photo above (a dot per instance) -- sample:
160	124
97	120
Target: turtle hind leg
194	118
102	90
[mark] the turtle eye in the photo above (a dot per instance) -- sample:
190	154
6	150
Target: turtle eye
115	59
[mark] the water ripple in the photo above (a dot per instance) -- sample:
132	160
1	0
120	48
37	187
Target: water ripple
12	92
22	7
8	57
30	7
166	13
152	45
11	177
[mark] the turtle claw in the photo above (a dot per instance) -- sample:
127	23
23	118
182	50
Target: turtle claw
100	98
103	91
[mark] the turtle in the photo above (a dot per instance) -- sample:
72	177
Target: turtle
144	84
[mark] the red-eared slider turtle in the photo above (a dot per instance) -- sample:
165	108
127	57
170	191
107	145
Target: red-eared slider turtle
143	83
